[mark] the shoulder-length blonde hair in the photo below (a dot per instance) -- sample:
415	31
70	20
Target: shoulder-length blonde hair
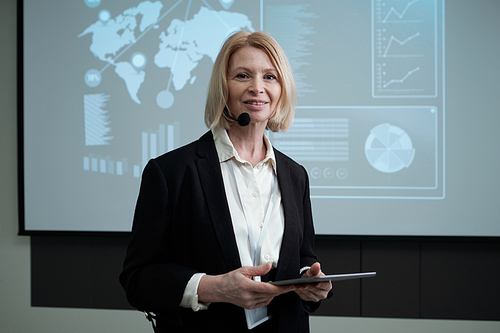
218	92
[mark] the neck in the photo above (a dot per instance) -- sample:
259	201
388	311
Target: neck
248	142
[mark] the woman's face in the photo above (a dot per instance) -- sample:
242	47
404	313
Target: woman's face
253	84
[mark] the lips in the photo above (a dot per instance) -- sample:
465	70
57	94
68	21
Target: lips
255	102
255	105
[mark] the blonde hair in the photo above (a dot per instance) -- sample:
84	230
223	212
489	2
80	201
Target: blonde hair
218	92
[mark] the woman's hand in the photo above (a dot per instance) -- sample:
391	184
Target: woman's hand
238	287
314	291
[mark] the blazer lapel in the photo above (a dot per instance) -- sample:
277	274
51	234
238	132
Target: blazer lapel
285	182
215	194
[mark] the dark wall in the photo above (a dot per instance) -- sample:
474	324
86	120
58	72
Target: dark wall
441	278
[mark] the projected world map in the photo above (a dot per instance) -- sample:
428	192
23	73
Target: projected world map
180	47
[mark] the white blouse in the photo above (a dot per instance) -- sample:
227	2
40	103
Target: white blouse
254	189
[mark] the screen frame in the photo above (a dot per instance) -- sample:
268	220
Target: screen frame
21	163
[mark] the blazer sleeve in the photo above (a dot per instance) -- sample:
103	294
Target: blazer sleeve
151	279
307	253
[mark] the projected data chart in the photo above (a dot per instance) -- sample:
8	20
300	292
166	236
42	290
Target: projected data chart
404	48
362	136
366	151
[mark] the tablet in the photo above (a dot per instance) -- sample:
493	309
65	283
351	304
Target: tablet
323	278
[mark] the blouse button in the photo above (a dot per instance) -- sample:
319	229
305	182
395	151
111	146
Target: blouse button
254	194
267	256
261	224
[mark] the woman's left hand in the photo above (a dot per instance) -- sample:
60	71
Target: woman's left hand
314	291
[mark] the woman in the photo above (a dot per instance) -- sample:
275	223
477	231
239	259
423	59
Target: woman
218	217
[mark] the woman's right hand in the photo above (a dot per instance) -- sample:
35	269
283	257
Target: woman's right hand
238	287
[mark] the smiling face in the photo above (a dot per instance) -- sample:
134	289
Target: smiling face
253	85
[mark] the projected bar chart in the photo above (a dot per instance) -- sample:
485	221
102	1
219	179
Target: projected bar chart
155	143
105	165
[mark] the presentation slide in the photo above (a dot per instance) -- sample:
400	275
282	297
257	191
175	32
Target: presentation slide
110	84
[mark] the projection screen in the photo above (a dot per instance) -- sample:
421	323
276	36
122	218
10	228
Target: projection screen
109	84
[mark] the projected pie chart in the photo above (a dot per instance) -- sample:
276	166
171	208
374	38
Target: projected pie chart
389	148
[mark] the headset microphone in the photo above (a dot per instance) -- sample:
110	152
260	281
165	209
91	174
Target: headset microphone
243	119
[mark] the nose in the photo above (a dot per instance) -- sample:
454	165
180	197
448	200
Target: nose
256	86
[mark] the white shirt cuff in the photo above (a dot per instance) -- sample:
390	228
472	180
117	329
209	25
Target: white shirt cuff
304	269
190	297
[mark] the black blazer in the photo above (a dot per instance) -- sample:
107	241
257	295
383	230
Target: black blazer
182	226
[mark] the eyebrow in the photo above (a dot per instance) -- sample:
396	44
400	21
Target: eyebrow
266	70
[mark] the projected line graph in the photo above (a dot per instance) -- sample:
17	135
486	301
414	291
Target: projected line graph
404	45
403	79
393	12
394	39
